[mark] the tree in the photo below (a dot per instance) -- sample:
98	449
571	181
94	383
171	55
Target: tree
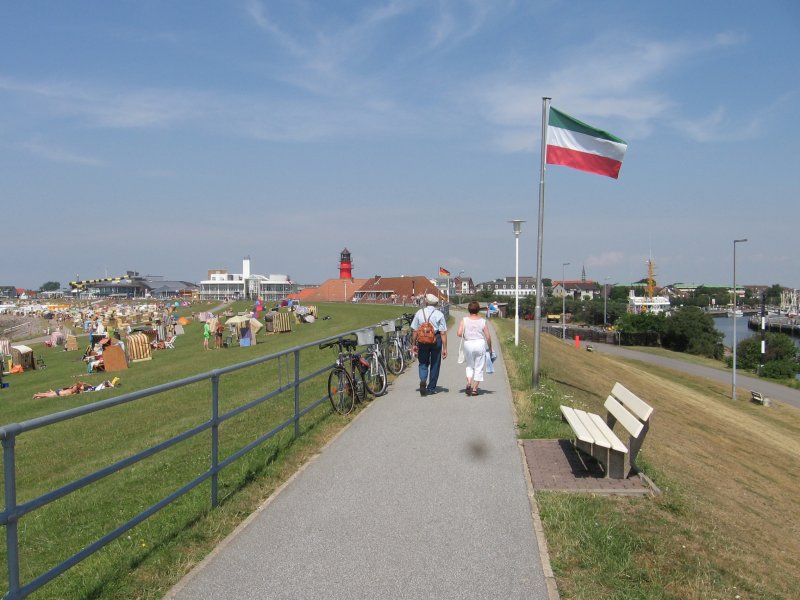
617	292
774	294
691	330
642	323
780	358
50	286
644	329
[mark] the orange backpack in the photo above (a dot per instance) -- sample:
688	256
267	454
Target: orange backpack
426	334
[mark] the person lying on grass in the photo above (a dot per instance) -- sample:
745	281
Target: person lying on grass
77	388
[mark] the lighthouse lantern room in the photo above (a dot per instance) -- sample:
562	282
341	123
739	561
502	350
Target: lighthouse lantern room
345	265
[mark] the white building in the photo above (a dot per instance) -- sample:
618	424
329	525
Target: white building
641	304
506	286
221	284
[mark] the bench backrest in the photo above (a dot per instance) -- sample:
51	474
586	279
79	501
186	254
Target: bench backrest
628	420
632	402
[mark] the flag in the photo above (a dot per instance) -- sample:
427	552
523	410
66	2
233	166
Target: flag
572	143
443	272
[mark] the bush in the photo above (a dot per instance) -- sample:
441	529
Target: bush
691	330
780	369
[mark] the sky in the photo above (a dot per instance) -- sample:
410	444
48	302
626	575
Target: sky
174	137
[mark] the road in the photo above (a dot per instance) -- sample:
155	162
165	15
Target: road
773	391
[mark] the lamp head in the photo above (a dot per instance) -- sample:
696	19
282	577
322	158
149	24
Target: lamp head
517	224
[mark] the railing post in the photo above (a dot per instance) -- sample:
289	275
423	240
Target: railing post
214	438
296	394
12	537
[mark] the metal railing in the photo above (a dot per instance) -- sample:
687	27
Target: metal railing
9	434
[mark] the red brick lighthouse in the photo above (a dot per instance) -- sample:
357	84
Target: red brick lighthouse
345	265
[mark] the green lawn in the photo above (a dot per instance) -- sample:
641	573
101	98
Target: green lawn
144	562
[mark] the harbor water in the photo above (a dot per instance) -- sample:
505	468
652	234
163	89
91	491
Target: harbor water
725	325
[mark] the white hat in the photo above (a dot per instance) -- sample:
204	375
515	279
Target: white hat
431	299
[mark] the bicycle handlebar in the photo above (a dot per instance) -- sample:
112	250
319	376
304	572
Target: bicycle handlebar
342	343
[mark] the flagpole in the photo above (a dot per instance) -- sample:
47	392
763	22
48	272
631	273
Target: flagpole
537	323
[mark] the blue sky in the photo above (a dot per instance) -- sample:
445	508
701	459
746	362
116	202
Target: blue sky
175	137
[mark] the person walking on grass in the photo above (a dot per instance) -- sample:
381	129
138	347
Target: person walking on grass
430	355
477	341
206	334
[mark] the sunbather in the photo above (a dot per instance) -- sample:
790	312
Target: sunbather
77	388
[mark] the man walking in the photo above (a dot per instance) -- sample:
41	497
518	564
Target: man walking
430	350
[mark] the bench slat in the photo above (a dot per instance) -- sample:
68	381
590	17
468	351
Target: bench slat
581	432
593	429
608	433
627	420
632	402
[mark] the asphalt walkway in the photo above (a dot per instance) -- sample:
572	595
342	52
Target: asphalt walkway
744	383
416	498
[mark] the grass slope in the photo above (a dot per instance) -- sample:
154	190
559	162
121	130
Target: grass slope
726	525
146	561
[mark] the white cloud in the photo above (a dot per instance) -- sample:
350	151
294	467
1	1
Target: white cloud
56	154
611	258
609	78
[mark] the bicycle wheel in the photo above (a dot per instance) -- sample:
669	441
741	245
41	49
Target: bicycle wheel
394	358
408	355
375	376
341	391
360	386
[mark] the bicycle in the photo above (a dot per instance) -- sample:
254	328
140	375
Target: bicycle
346	384
406	343
375	377
392	350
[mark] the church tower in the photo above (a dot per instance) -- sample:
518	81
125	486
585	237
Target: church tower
345	265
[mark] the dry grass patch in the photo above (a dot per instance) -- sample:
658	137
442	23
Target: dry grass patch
726	525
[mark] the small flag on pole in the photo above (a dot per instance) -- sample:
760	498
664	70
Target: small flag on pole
574	144
443	272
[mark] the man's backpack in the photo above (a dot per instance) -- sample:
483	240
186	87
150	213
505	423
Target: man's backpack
426	333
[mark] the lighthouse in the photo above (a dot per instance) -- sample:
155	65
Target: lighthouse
345	265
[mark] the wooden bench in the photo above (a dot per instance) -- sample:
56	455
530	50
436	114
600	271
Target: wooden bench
596	437
759	398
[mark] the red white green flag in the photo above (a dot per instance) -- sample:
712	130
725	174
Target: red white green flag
572	143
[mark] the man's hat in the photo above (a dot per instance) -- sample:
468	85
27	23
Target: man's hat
431	300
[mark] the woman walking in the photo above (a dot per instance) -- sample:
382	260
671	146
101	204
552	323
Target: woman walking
477	341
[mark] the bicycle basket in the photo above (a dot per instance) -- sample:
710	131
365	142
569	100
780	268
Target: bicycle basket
388	327
365	337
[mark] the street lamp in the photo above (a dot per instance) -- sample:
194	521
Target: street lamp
461	284
733	385
605	302
517	224
563	304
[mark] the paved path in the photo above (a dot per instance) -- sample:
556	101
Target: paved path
417	498
773	391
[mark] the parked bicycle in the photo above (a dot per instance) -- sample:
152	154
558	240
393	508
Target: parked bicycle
346	384
392	348
406	344
375	377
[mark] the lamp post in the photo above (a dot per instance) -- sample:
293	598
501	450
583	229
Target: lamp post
563	304
605	302
733	385
461	284
517	224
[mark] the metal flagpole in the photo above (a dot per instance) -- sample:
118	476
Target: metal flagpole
537	324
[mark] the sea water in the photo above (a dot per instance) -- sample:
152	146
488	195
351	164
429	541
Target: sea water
725	325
